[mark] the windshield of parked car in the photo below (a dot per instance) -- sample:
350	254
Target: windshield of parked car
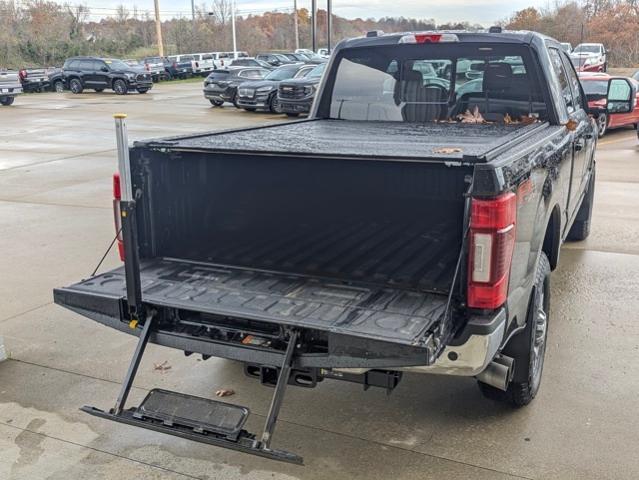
317	71
116	64
437	82
282	58
282	73
587	49
598	88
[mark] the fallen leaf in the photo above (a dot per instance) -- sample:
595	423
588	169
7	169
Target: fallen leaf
472	117
162	367
447	150
225	393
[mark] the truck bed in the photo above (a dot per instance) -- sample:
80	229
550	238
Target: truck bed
360	310
342	138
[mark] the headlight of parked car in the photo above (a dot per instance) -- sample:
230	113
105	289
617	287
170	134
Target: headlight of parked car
130	76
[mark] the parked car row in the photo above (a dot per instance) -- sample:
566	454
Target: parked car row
288	89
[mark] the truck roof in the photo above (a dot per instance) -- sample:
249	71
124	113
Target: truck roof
505	36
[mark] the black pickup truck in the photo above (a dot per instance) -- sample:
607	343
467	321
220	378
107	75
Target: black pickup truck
409	225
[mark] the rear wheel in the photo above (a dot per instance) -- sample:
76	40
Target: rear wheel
119	87
58	86
234	101
581	226
6	101
602	124
75	85
528	348
216	103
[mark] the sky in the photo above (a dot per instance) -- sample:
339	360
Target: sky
484	12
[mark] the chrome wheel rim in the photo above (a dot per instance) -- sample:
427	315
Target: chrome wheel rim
602	124
539	334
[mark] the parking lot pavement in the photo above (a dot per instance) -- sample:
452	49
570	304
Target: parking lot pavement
57	153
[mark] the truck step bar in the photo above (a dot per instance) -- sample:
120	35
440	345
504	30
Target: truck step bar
200	419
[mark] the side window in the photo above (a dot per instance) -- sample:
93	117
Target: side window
574	82
86	65
564	83
97	65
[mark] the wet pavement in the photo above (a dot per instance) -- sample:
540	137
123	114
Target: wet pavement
57	154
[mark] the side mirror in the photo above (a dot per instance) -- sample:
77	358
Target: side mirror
621	96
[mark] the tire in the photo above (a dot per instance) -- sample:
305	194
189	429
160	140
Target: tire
602	124
216	103
119	87
58	86
75	85
273	104
98	90
528	348
581	226
234	101
292	114
6	101
142	90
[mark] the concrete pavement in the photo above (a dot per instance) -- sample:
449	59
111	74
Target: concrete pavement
57	153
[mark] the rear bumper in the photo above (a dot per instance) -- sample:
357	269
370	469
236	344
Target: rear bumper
10	90
472	351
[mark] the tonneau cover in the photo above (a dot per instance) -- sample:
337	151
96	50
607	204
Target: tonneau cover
372	312
345	138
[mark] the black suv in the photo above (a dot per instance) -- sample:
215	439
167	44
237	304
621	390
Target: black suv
221	85
296	96
262	94
101	73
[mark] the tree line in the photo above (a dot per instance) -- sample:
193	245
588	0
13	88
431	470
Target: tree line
615	23
45	33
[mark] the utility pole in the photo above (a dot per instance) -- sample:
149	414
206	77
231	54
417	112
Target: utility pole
193	14
158	28
297	26
329	23
233	28
314	24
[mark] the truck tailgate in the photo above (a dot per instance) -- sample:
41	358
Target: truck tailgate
361	310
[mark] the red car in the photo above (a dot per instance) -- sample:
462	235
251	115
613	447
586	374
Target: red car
596	88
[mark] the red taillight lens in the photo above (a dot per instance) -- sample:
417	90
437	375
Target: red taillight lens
492	240
147	67
22	74
117	196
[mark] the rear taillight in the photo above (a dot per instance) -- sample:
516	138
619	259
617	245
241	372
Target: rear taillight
492	240
174	64
117	196
23	74
147	67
